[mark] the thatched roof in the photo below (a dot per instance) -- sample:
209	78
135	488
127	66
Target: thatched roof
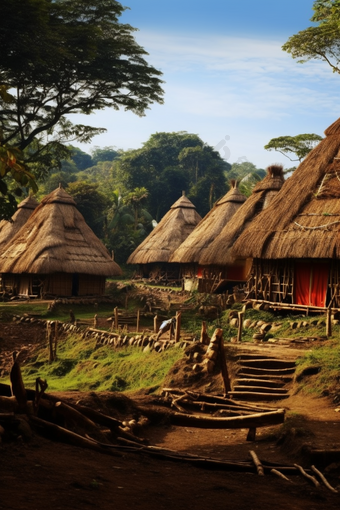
8	229
167	236
56	239
211	225
303	221
220	250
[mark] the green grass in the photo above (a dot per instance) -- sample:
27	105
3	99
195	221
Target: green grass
79	366
327	359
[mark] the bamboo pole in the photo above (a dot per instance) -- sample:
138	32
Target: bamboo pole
116	317
178	326
56	332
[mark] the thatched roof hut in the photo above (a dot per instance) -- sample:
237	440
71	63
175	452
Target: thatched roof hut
9	228
168	235
303	221
209	227
58	248
220	251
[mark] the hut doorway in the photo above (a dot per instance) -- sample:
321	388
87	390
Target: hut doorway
311	283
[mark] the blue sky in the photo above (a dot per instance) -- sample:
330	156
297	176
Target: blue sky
226	77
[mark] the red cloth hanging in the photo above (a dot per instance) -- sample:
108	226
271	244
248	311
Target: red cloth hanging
311	281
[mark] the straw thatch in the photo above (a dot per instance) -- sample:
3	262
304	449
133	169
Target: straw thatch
303	221
56	239
220	251
167	236
8	229
211	225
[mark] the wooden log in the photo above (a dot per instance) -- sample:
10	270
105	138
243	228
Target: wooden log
257	463
72	415
57	433
234	422
328	323
103	331
322	477
281	475
251	436
306	475
97	417
155	325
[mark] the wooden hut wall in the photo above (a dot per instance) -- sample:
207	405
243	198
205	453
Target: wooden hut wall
306	282
91	285
58	284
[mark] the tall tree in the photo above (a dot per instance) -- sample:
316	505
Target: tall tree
321	41
63	57
300	145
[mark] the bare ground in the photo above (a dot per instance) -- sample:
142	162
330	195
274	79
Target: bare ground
38	473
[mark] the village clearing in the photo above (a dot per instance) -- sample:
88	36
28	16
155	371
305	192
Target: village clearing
37	472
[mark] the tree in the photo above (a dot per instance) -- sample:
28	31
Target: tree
184	156
91	203
322	41
105	154
66	57
300	145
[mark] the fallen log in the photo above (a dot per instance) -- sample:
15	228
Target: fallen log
306	475
281	475
57	433
257	463
236	422
323	478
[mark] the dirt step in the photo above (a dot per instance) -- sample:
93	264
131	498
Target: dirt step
268	363
253	395
267	371
252	356
261	389
262	374
273	383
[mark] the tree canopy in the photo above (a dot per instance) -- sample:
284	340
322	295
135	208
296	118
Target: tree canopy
300	145
322	40
63	57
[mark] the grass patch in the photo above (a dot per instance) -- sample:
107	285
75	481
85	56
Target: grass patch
82	367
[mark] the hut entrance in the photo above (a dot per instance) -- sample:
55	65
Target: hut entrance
75	284
311	283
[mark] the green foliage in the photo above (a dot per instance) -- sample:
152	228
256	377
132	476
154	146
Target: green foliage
170	163
79	366
299	145
247	176
91	203
321	41
60	58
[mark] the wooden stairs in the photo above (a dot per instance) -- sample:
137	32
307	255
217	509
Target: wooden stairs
262	378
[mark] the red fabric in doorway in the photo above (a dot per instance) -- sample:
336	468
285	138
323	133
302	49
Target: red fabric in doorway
311	281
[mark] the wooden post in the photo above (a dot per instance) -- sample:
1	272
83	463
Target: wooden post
328	323
155	329
95	321
178	326
224	368
137	326
204	339
171	330
49	340
240	326
116	317
56	331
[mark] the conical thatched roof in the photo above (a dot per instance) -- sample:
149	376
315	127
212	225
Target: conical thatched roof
303	221
220	250
167	236
211	225
56	239
8	229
